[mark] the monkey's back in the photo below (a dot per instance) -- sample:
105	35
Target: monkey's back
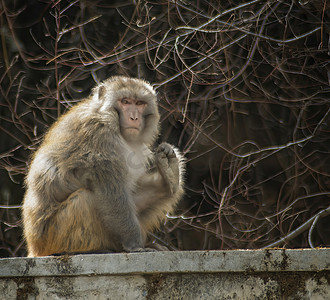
81	148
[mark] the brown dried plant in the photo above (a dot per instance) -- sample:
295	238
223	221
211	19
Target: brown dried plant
244	92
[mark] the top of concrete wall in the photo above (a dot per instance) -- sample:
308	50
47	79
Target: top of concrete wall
169	262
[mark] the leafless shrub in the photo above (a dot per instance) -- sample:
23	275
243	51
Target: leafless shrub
244	89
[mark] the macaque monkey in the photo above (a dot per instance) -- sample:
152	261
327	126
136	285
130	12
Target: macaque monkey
95	184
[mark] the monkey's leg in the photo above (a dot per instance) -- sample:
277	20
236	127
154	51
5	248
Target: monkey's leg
74	227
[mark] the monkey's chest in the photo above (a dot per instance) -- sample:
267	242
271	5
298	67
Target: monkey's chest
136	164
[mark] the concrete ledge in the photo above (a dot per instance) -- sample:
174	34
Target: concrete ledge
169	262
239	274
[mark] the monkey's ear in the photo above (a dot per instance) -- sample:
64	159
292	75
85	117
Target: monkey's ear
99	93
102	92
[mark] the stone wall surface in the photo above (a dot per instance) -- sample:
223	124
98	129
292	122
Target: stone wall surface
234	274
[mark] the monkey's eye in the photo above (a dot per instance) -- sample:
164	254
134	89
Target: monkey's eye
124	101
140	103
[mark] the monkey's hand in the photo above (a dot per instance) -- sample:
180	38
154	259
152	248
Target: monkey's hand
168	166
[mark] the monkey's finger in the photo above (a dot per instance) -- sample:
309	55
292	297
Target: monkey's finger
171	154
167	149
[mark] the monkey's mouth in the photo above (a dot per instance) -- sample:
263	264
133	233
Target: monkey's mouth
137	128
132	129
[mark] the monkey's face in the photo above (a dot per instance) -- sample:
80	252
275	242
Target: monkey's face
131	113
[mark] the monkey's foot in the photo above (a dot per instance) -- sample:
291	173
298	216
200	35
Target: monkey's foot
83	252
143	250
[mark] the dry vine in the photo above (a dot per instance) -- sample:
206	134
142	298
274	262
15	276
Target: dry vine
244	88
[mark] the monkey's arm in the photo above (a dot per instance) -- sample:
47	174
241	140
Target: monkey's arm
114	203
158	192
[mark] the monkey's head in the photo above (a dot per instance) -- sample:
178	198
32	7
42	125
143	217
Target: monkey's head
135	101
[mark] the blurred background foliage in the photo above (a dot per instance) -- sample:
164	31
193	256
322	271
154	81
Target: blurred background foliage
244	93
